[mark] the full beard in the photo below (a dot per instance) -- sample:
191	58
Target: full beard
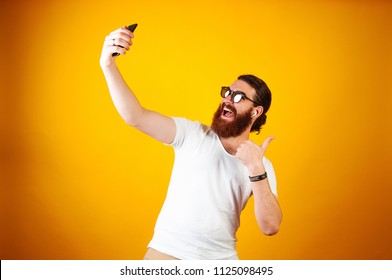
226	128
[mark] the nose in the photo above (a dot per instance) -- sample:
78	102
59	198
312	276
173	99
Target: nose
228	99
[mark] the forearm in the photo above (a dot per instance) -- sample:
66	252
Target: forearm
123	98
266	207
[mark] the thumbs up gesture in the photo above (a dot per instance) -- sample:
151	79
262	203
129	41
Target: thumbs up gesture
251	155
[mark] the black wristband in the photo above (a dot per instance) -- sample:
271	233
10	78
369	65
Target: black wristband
258	177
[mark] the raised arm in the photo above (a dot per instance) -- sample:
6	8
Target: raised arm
267	210
128	106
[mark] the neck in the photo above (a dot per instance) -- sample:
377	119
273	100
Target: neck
231	144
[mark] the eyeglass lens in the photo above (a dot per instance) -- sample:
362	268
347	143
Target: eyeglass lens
237	96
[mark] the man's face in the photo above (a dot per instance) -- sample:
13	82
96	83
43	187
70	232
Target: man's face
232	119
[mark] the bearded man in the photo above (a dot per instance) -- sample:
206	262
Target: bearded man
216	169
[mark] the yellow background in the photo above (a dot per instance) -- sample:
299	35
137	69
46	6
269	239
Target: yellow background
77	183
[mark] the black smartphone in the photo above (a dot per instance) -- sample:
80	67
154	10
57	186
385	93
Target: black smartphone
131	28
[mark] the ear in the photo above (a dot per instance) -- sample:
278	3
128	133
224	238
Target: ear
257	112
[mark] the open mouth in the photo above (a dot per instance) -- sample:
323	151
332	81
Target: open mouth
227	113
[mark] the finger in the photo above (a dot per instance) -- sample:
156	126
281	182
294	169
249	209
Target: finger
118	39
127	31
118	42
122	31
266	143
120	50
115	49
122	43
126	35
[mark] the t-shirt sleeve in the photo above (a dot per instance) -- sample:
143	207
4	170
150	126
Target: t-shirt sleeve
183	128
271	175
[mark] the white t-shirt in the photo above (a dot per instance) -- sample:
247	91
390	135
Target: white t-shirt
207	192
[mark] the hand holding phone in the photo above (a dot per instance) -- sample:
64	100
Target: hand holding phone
131	28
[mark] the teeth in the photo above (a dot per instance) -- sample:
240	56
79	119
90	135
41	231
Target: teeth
225	108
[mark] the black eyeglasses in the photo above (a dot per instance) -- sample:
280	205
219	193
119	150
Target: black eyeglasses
236	96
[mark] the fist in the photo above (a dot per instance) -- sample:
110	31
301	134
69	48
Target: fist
118	41
251	155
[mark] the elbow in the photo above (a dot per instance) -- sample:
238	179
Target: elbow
130	121
269	228
132	118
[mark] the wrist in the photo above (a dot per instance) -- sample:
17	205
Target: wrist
255	170
258	177
108	66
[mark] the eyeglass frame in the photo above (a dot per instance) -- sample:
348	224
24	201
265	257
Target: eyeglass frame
235	93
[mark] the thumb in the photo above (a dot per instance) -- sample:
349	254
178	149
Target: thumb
266	143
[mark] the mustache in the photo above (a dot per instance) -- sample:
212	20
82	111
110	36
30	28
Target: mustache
228	106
